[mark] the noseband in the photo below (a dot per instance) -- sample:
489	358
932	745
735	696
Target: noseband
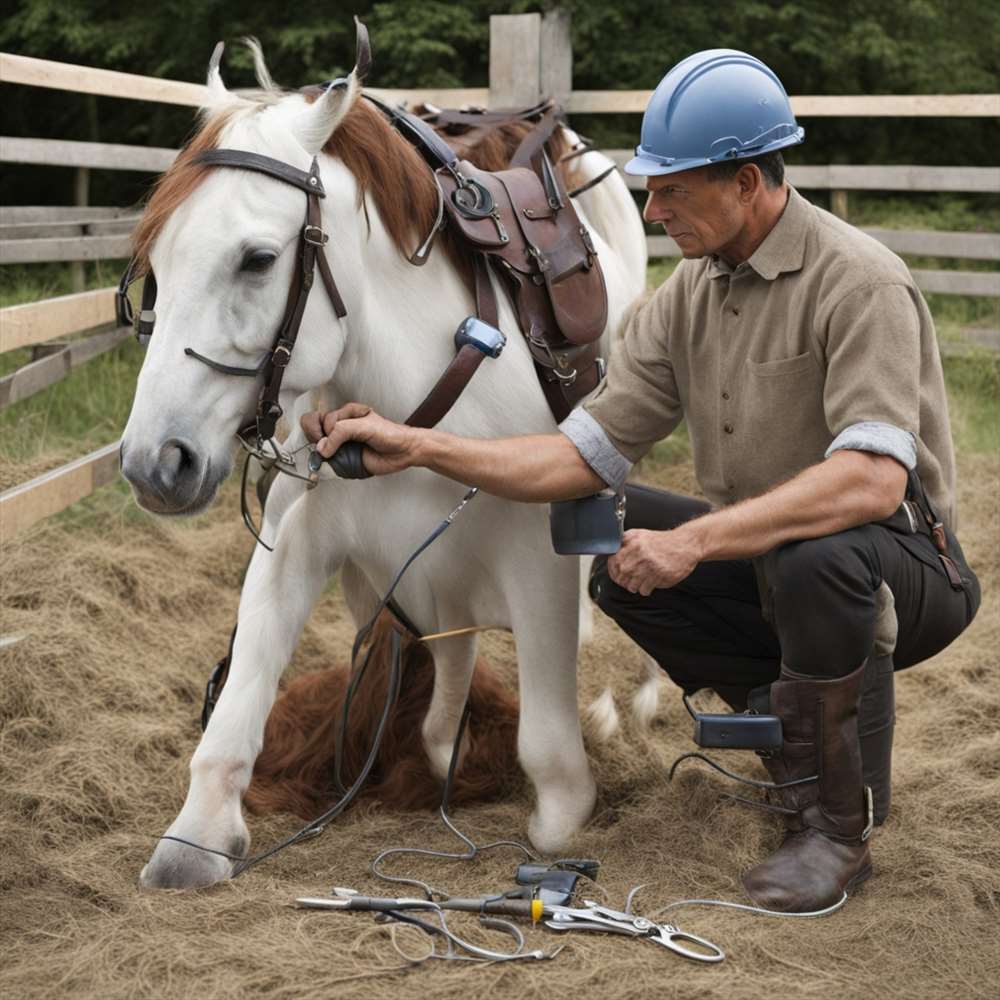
310	255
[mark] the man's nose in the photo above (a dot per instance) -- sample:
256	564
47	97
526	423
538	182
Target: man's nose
654	210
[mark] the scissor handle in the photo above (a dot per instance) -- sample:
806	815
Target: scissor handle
670	936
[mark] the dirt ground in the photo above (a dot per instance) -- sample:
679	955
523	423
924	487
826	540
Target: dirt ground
124	615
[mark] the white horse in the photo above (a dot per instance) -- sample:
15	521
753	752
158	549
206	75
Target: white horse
221	245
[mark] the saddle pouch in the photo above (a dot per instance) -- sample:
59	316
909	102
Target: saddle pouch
509	216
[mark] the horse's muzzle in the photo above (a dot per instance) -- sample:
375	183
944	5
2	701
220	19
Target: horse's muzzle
173	478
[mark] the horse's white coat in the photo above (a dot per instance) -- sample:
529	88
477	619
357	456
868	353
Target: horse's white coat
495	566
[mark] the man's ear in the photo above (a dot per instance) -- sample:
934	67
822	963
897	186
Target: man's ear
749	180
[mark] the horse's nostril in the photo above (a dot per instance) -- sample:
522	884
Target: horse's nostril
176	461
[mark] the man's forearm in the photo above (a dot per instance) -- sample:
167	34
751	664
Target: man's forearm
537	468
848	489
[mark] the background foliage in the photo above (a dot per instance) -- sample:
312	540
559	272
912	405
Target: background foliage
815	46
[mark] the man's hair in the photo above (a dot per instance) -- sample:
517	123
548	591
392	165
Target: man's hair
771	165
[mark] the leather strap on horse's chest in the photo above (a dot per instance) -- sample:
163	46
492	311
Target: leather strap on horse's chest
458	374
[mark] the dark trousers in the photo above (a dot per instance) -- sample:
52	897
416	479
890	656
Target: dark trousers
818	613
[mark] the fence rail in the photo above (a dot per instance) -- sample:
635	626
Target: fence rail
25	505
37	322
521	49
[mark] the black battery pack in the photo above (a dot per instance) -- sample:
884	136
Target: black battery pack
738	732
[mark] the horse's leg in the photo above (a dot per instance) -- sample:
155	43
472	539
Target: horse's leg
280	590
549	739
454	661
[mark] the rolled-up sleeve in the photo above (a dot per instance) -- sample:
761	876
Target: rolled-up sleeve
879	439
638	404
595	448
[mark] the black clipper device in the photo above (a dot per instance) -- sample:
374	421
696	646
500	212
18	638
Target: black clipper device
554	884
748	730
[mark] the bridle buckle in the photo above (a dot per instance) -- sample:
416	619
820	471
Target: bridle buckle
315	236
282	354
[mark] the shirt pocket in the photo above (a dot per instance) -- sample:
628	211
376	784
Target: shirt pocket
783	366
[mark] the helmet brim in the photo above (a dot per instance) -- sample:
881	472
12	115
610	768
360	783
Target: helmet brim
644	166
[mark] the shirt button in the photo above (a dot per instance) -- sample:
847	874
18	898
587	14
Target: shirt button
727	427
731	487
725	395
736	311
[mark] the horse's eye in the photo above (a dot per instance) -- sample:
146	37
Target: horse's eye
258	260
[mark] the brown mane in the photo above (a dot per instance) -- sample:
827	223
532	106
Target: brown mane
385	166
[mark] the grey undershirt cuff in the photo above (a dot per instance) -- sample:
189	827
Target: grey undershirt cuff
877	437
595	448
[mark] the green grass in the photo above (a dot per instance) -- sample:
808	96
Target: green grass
32	282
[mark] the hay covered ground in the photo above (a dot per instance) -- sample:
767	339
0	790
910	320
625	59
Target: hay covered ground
123	615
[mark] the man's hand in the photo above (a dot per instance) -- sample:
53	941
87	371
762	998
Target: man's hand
390	447
652	560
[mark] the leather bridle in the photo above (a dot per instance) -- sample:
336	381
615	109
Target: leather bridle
310	255
312	239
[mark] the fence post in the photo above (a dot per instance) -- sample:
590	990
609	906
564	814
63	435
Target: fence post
81	197
556	56
515	59
838	203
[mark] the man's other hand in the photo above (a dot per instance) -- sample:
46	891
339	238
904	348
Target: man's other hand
651	560
389	447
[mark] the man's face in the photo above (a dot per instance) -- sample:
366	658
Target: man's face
702	216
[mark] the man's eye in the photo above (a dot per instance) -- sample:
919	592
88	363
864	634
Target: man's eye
258	260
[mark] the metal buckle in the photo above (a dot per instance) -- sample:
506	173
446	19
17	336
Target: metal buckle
320	241
282	354
555	366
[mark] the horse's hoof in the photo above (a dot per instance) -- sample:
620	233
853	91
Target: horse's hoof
178	866
557	820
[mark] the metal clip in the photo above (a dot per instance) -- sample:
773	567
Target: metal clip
502	233
543	262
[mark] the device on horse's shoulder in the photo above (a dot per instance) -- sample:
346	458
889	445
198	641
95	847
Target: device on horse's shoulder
736	731
588	526
484	341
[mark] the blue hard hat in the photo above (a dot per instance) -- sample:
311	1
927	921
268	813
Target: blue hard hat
715	105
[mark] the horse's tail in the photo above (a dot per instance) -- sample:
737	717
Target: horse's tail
295	770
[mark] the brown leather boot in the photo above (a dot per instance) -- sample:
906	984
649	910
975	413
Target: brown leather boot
827	806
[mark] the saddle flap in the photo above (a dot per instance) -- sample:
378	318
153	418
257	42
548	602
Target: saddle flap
480	209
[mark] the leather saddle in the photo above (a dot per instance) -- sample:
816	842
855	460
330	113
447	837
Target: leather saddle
520	222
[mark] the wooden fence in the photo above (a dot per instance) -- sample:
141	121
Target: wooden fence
530	56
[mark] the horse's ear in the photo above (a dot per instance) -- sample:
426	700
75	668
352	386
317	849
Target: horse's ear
217	93
320	119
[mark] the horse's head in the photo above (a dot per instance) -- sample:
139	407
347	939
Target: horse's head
223	244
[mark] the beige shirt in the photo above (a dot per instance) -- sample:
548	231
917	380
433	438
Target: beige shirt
819	341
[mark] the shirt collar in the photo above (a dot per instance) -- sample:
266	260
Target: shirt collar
783	249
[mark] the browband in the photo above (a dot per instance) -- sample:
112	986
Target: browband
309	182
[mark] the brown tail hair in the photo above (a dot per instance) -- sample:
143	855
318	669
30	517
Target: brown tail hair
294	772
